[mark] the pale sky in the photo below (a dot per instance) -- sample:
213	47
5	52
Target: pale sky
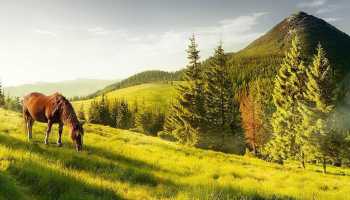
55	40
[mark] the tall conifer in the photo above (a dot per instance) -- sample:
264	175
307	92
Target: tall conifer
221	111
316	109
189	111
288	91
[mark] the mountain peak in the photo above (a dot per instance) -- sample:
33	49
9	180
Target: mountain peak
311	31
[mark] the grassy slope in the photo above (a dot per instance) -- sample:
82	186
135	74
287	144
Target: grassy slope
152	94
119	164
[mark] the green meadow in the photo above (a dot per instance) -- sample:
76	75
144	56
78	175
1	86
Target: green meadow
120	164
157	94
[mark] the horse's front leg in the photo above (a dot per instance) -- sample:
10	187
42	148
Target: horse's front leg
49	125
60	130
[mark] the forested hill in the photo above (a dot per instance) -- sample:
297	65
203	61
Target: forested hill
263	56
140	78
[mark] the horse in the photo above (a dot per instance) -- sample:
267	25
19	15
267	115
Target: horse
52	109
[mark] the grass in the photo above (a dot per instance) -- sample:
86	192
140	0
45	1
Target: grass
118	164
150	94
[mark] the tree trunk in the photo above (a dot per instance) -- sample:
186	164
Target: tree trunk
254	149
324	166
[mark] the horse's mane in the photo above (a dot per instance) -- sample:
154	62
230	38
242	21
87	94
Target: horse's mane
67	113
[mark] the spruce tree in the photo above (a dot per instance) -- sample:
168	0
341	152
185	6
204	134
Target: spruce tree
81	112
219	93
288	91
316	109
189	111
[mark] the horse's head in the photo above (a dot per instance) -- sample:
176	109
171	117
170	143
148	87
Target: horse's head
77	136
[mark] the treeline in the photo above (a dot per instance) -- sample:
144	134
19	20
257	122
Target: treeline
9	103
118	113
297	115
206	113
308	123
140	78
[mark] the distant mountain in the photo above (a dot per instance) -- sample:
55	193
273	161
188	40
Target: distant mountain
140	78
70	88
264	55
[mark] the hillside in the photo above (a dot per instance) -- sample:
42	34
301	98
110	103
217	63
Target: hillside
263	56
113	165
70	88
151	76
149	94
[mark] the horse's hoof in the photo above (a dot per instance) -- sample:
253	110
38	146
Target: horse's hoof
59	144
46	142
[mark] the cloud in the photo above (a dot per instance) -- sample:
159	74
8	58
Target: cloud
168	48
312	4
100	31
117	52
45	32
332	19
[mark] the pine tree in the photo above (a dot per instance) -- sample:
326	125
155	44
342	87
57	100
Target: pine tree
124	116
288	91
81	113
189	111
105	116
219	93
316	109
93	112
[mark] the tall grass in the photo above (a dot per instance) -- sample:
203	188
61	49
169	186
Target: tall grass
119	164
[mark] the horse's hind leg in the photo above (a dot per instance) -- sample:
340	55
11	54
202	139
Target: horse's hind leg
28	123
49	125
60	130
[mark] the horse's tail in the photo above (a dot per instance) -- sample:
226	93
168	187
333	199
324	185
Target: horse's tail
25	117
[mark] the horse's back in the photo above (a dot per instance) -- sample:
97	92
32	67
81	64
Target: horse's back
37	105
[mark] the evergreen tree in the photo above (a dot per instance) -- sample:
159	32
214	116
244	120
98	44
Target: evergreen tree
104	114
81	113
124	116
114	110
189	111
219	94
318	134
288	91
150	121
94	113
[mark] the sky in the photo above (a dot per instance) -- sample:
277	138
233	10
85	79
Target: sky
55	40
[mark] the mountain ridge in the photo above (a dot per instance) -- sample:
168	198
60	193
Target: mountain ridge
69	88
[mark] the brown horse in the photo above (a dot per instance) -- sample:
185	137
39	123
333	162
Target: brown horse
52	109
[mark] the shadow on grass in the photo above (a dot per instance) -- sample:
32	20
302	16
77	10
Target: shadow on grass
116	157
101	163
9	189
51	184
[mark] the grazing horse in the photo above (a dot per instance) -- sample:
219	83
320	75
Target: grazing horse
52	109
